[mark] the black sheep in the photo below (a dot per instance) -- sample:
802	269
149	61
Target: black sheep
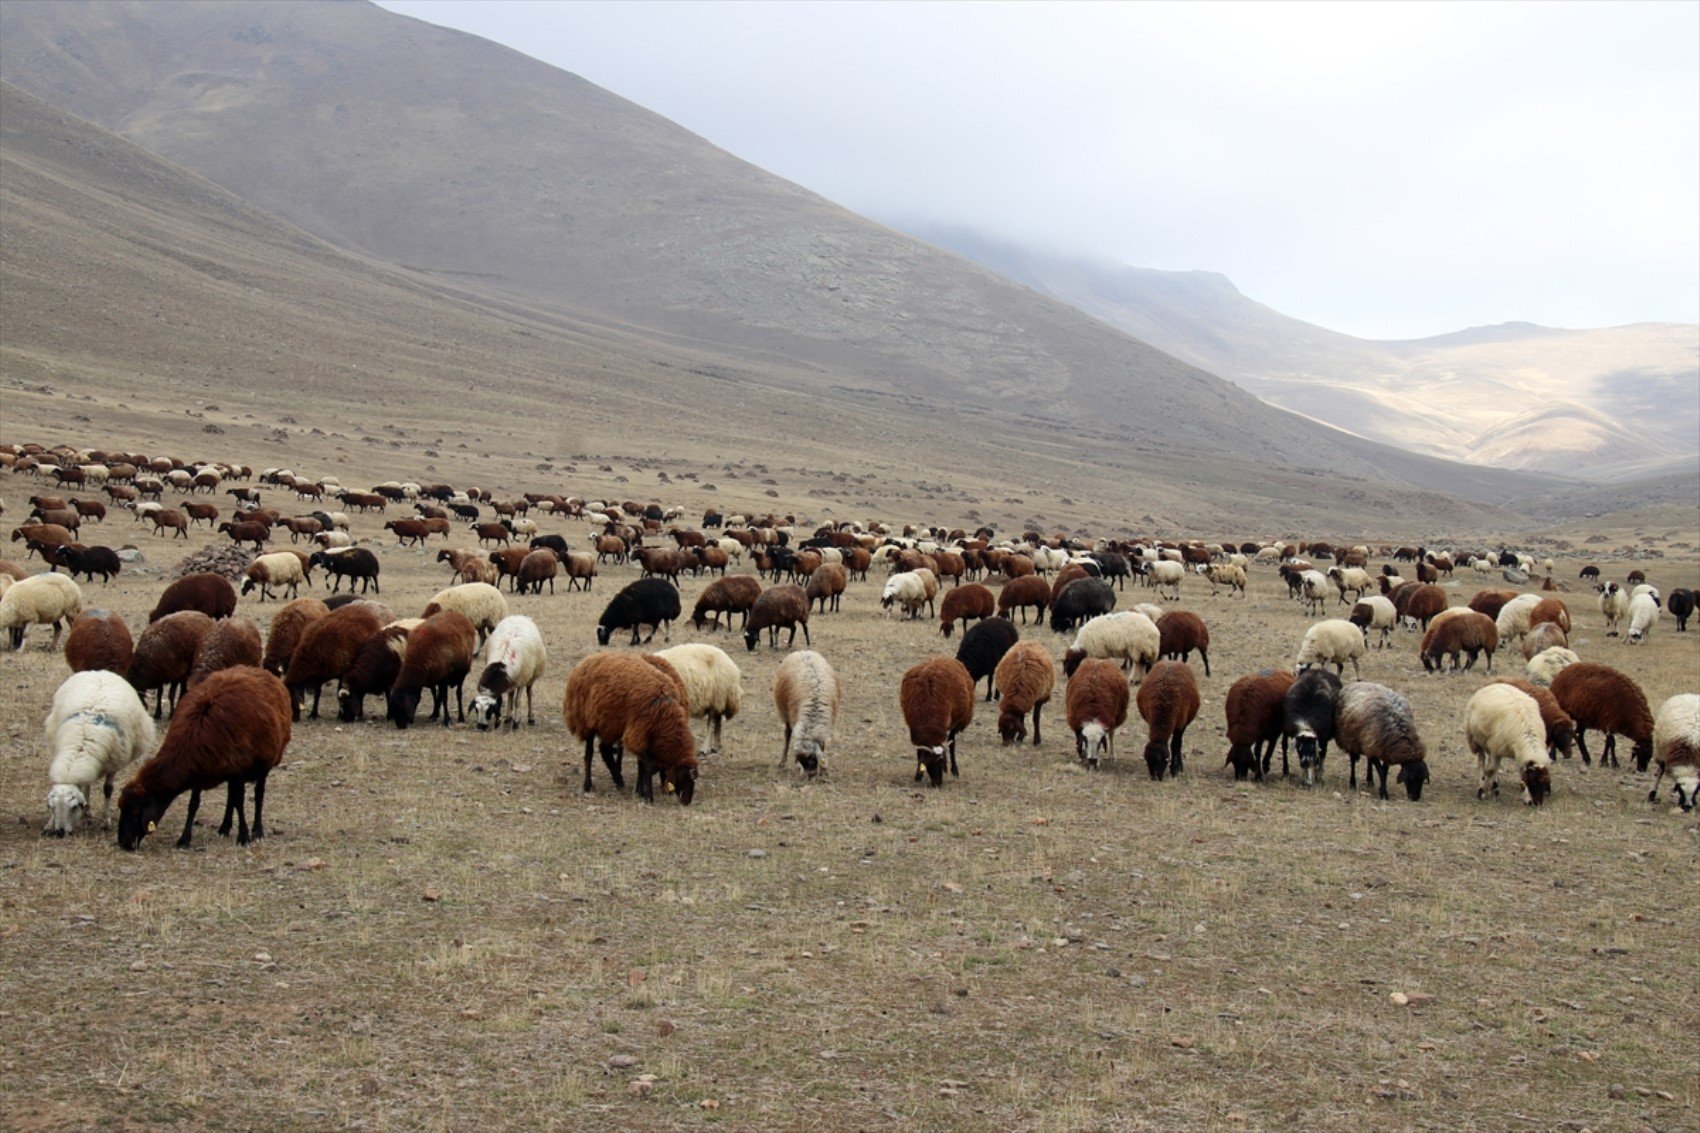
984	646
1112	567
355	563
652	602
1080	600
90	561
1681	607
551	542
1310	707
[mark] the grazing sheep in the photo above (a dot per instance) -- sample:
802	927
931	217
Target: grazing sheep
1598	696
1024	678
96	728
1676	747
1513	620
908	591
99	639
232	728
1681	607
984	646
1373	721
1179	633
280	569
1547	635
373	670
481	603
1128	636
1422	604
651	602
965	603
86	561
1168	700
1256	711
937	698
42	599
357	564
1550	611
1095	703
514	659
1502	723
621	703
1375	612
1332	642
536	568
285	632
1560	728
1353	579
229	643
1080	600
733	594
1020	593
1165	575
1461	632
713	684
165	656
778	607
806	695
438	657
1643	616
1548	663
1313	589
1309	720
1226	574
211	594
1491	602
1614	604
327	648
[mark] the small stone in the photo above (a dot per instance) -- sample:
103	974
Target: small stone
262	957
1588	1055
138	965
1399	999
708	1103
756	854
640	1088
621	1062
1184	1042
665	1028
1616	1091
430	895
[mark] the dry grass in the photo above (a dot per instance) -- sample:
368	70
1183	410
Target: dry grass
1033	947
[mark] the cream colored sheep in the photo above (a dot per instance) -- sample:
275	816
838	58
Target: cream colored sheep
42	599
713	684
1333	642
1548	663
1503	723
96	727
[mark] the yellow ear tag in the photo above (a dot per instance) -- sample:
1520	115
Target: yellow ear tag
668	787
152	826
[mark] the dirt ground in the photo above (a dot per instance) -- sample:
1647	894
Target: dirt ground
440	932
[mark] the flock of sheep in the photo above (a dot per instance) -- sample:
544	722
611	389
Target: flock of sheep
234	698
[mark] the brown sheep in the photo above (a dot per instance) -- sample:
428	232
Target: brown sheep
287	626
604	705
1547	635
232	728
1023	591
1424	603
1095	702
211	594
1460	632
1256	711
1179	633
937	698
99	639
165	655
777	608
1561	729
43	534
327	648
1025	677
965	604
1598	696
535	569
438	657
826	585
734	594
229	643
1550	611
256	533
1168	701
374	670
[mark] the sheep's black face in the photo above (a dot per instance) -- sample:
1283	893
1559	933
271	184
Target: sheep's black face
750	638
1413	775
137	818
1686	794
345	705
1012	729
684	780
603	633
1157	758
1643	754
1242	759
1537	785
932	761
403	707
809	761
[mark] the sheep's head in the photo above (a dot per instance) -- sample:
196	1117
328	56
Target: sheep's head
751	636
1072	660
1687	787
1012	727
682	781
1310	754
946	627
1643	754
603	633
1537	784
404	706
1413	775
1243	759
809	756
138	816
65	804
1156	758
1563	738
931	760
346	705
487	711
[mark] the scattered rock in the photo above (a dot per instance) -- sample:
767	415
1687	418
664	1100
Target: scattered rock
756	854
228	559
622	1061
1184	1042
431	894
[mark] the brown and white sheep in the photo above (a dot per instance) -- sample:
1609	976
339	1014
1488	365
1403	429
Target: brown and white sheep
1376	723
1095	703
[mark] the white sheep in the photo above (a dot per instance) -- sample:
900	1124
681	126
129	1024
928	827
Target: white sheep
334	540
713	684
1268	555
734	549
1645	588
482	603
1614	603
1150	610
907	590
1355	579
1226	574
96	727
1127	636
806	694
1503	723
1313	587
1513	620
1383	616
1166	573
1643	616
514	658
42	599
1676	748
1548	663
280	568
1333	642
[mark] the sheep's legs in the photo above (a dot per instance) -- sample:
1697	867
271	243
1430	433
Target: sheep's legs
589	752
1609	754
785	752
1652	795
1176	760
1036	708
259	829
189	822
1352	776
1582	743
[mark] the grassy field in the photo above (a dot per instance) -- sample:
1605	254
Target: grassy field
439	931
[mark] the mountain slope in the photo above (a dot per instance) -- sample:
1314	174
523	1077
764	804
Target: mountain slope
1603	403
505	180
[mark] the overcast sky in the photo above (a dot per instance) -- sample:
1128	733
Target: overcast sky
1391	170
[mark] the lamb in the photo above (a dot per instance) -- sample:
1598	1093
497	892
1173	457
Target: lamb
806	696
287	626
1020	593
1614	604
1168	701
482	604
438	657
357	564
937	698
229	643
1676	747
1309	720
1095	703
1128	636
1079	601
211	594
652	602
1024	679
1548	663
623	702
984	646
1560	728
777	608
1332	642
327	648
1375	612
1598	696
99	640
1462	632
1643	616
1355	579
232	728
827	583
1501	723
1545	636
907	590
165	656
1167	575
96	728
282	568
1681	607
1256	710
374	669
713	685
733	594
965	603
1373	721
42	599
1179	633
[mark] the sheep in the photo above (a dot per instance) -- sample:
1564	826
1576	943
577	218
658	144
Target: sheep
777	608
1375	612
535	569
1095	704
1547	635
1230	575
1128	636
733	594
1676	747
1179	633
327	648
99	639
1548	663
1502	723
482	604
1020	593
1491	602
623	702
984	646
1166	575
827	583
937	698
514	659
1614	603
806	697
1309	720
1513	620
1598	696
229	643
713	685
373	670
246	532
1421	604
652	602
86	561
1550	611
1332	642
1024	679
1355	579
438	657
1643	616
1255	711
1373	721
1079	601
966	603
1560	728
232	728
211	594
1462	632
907	590
96	728
1681	607
357	564
1313	589
165	656
42	599
1168	701
282	568
287	625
